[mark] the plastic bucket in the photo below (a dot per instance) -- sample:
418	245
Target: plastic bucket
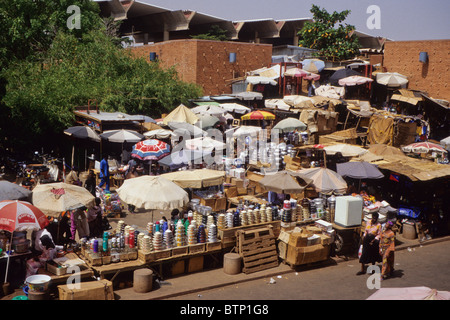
38	283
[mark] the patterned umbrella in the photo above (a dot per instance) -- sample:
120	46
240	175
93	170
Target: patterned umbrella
18	215
354	81
313	65
151	149
258	115
424	147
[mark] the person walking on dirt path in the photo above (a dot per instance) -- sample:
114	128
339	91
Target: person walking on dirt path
387	249
104	173
370	243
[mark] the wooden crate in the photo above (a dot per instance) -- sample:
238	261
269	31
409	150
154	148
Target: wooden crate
146	257
179	251
163	254
213	246
94	261
229	234
177	267
195	264
196	248
257	249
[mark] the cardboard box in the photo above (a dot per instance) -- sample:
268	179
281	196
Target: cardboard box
92	290
54	268
282	249
241	191
297	239
313	230
309	254
325	239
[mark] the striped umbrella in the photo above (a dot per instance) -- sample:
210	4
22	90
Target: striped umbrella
258	115
150	149
18	215
424	147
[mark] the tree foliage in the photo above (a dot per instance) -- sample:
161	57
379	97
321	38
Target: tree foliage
47	69
329	35
214	33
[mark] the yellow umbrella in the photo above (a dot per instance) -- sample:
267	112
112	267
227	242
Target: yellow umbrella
258	115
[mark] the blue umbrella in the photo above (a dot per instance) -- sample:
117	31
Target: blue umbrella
313	65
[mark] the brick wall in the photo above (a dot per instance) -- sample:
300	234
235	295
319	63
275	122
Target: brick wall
207	62
432	77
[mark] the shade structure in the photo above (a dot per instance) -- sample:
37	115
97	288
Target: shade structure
391	79
313	65
207	121
258	115
54	198
298	101
445	143
385	150
186	130
153	193
235	107
181	114
359	170
424	147
12	191
276	104
287	182
289	125
409	293
247	130
354	81
182	158
197	178
209	109
122	136
16	215
347	150
342	73
296	72
248	95
325	180
82	132
158	134
204	144
150	149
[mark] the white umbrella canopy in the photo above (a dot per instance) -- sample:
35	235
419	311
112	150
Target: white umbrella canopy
153	193
212	110
391	79
289	125
204	144
235	107
54	198
122	136
158	134
198	178
346	150
82	132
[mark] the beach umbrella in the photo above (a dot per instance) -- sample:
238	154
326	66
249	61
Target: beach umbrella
152	193
313	65
391	79
409	293
235	107
424	147
346	150
122	136
204	144
287	182
359	170
18	215
289	125
300	73
198	178
182	158
150	149
82	132
158	134
54	198
343	73
208	109
258	115
207	121
325	180
354	81
12	191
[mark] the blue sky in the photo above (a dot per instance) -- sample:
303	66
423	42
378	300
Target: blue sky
399	19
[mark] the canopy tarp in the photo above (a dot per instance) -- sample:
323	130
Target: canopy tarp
181	114
198	178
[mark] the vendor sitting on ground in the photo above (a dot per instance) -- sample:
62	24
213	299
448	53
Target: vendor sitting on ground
72	177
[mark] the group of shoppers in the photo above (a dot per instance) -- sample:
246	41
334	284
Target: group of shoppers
378	245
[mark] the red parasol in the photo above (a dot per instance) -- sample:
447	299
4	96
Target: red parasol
151	149
18	215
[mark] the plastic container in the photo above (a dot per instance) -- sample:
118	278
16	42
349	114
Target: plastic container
38	283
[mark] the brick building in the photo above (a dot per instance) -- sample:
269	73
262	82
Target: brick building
210	64
432	76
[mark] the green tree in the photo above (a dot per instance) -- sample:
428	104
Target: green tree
329	35
41	95
214	33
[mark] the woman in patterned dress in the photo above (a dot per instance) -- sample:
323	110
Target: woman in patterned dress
370	242
387	249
